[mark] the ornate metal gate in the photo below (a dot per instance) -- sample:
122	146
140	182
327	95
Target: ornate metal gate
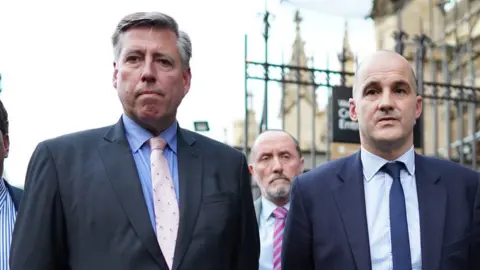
446	79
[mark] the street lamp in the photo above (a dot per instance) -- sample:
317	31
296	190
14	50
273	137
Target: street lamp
201	126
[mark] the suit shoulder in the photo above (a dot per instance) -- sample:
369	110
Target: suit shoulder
444	166
213	145
325	171
78	137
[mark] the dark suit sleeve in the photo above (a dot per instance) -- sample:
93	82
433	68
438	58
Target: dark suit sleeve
297	238
475	245
39	241
247	253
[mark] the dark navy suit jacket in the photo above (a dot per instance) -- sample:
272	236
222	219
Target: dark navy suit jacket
15	193
327	225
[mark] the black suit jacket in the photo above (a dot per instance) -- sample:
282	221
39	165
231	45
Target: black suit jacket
15	193
327	226
83	207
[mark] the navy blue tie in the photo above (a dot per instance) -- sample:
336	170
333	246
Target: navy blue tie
398	219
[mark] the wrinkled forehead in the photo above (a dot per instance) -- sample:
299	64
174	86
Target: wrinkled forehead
274	143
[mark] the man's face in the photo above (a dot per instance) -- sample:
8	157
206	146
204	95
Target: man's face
275	162
149	76
385	102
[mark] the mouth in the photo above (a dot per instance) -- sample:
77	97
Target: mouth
277	179
387	119
150	92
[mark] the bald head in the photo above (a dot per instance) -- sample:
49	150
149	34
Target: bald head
274	134
383	60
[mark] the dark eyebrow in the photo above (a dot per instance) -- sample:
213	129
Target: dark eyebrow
262	154
402	83
377	84
371	84
285	152
156	54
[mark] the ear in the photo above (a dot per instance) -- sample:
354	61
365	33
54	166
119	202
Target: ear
418	106
302	165
353	110
115	74
6	144
250	168
187	79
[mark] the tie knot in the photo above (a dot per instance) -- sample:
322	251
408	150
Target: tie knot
393	169
280	213
157	143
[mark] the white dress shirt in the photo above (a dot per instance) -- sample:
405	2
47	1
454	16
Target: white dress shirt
377	198
266	225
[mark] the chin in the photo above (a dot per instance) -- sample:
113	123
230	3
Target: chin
150	112
388	136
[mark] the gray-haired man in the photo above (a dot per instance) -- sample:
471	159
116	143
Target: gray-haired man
143	193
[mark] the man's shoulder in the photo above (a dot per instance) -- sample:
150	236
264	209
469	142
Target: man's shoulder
79	136
327	172
330	167
11	187
75	140
444	167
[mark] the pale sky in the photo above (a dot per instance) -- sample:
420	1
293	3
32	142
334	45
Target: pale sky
56	60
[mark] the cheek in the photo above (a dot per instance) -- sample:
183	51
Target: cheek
261	176
364	113
292	170
127	79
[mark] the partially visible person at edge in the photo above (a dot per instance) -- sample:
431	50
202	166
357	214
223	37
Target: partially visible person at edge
10	196
385	207
275	161
143	193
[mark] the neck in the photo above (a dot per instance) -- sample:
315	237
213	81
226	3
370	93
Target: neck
388	150
279	202
154	126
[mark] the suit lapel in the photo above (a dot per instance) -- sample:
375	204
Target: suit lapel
432	201
122	173
350	198
15	194
190	174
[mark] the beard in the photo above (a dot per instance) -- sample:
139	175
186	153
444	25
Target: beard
278	192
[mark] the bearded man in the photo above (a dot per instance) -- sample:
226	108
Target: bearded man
276	160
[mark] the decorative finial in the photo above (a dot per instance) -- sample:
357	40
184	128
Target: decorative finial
297	20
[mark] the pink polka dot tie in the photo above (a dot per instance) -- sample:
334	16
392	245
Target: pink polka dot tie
280	214
165	201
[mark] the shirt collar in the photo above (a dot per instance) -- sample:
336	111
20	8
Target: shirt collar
372	163
3	192
268	207
137	135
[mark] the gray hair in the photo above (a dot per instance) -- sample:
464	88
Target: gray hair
156	20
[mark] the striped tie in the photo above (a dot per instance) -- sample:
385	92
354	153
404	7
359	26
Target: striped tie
280	214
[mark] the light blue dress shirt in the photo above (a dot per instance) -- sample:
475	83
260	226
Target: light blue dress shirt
138	138
266	230
377	191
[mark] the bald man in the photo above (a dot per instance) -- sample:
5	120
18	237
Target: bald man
385	207
275	160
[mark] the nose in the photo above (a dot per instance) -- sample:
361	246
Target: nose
148	73
277	165
386	102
